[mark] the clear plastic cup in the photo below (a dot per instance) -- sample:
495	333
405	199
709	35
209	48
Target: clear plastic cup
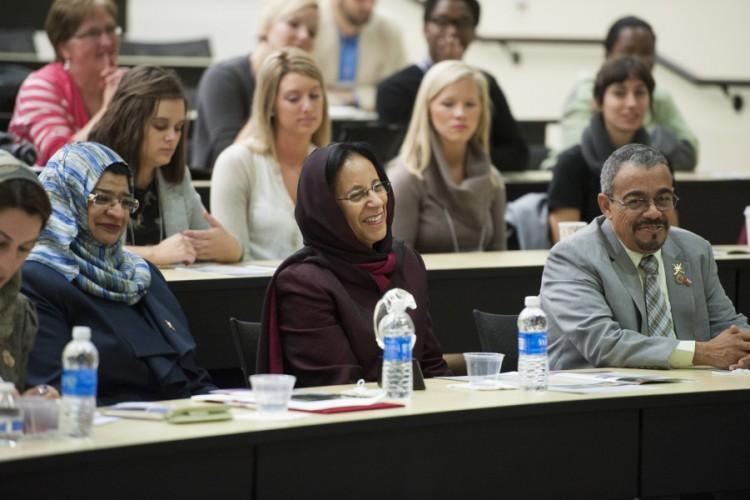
568	228
483	367
272	392
40	416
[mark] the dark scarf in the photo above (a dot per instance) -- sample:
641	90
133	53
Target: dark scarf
330	243
596	145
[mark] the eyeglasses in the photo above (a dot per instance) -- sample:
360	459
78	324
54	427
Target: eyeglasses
664	203
107	200
96	33
358	195
461	24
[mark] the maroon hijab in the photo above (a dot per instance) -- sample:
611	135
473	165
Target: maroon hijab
329	241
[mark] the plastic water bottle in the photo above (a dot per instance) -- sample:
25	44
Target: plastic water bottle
533	368
11	415
397	330
80	361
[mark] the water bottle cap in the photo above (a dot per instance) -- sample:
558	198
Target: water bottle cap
81	333
532	301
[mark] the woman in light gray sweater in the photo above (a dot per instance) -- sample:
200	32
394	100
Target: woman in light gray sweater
450	197
146	125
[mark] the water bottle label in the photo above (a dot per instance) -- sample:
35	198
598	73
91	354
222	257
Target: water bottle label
80	383
397	348
11	427
532	343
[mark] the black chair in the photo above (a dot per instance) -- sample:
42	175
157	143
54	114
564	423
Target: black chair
17	40
384	139
245	335
499	333
188	48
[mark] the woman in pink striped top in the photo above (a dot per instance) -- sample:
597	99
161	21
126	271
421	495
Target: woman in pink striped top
62	101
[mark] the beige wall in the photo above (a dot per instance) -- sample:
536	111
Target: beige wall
708	37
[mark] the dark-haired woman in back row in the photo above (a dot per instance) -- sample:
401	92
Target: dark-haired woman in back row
146	124
622	95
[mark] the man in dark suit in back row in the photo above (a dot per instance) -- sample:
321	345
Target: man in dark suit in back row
449	28
629	291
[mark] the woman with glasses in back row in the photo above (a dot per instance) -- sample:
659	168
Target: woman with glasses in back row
63	100
80	274
318	312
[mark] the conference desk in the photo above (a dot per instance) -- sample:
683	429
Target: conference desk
458	283
664	439
711	204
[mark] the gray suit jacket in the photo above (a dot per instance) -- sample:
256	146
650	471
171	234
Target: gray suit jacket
595	306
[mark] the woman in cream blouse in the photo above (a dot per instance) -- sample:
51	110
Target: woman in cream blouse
254	183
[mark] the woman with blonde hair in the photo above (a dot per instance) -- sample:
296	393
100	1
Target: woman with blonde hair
225	94
450	197
254	183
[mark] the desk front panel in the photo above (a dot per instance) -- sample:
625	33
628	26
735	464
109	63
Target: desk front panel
688	445
492	453
209	303
219	467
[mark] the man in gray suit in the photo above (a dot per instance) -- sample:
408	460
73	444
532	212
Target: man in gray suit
629	291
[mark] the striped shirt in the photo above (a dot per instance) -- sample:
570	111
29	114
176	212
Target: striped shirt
49	110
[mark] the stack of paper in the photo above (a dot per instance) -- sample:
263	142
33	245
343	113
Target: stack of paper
302	401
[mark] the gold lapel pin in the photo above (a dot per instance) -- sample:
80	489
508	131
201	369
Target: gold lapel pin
679	275
8	359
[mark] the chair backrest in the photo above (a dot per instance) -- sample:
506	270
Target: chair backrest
499	333
384	139
245	335
17	41
187	48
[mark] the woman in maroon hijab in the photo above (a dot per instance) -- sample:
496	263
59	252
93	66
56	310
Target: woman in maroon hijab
317	316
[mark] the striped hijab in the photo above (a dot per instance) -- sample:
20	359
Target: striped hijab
66	244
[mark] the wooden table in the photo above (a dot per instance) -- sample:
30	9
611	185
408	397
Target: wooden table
490	281
669	438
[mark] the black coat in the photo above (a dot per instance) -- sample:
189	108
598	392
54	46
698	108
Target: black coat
146	351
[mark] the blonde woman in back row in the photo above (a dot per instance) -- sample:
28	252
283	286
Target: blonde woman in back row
225	93
254	182
450	197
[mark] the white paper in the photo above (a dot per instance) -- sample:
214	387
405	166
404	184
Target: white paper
238	270
246	398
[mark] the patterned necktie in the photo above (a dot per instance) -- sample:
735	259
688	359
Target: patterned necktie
659	317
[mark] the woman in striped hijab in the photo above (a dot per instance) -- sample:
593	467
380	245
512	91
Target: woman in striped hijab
80	274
